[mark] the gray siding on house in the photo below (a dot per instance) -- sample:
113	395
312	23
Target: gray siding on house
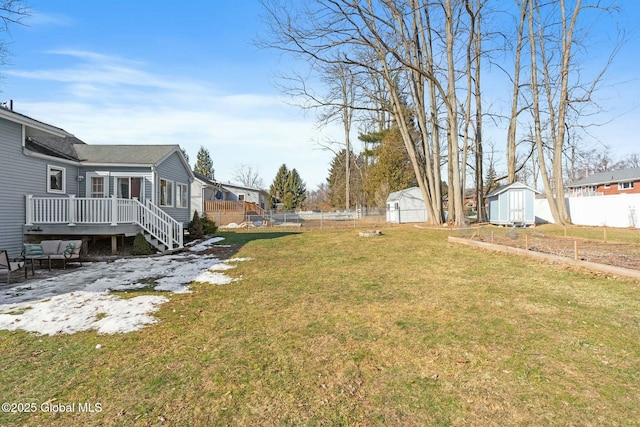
173	169
251	195
115	172
22	175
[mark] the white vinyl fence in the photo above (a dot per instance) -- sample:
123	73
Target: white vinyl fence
621	210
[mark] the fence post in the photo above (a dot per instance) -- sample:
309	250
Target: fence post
114	210
29	210
575	249
321	219
71	210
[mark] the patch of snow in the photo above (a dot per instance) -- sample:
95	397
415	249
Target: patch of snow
80	311
80	300
206	244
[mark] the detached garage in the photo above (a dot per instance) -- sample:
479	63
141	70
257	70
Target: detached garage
512	205
406	206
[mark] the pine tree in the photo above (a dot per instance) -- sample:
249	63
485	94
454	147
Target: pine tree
288	188
204	164
490	182
392	170
278	188
336	180
297	189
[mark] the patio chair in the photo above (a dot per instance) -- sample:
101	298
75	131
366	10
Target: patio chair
7	264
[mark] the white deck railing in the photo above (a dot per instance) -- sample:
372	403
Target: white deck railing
113	211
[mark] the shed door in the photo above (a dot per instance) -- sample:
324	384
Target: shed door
516	206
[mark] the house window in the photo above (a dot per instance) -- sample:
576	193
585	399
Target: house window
129	187
97	186
625	185
56	177
182	194
166	192
240	196
607	186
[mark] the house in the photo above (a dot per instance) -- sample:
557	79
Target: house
406	206
225	203
512	204
626	181
57	185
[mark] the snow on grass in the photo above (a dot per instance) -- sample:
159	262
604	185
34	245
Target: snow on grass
206	244
80	300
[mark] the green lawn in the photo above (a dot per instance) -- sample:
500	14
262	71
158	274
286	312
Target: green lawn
329	328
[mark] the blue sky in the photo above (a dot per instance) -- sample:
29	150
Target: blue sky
163	72
167	72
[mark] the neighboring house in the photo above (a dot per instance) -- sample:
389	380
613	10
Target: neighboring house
406	206
225	202
204	189
512	204
56	185
247	194
626	181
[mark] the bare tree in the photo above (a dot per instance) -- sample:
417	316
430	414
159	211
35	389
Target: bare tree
11	12
386	40
515	111
411	57
248	176
340	104
633	160
552	65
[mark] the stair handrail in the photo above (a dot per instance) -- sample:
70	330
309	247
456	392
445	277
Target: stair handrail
160	225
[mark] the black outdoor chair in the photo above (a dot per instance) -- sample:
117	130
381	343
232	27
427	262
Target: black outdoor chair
10	266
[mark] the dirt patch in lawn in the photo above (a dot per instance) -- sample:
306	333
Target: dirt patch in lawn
625	255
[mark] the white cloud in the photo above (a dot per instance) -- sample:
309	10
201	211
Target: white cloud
39	19
104	99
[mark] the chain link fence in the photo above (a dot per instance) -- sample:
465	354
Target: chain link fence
355	218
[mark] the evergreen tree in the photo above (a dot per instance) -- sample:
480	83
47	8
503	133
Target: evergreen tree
490	182
392	170
336	180
204	164
288	188
297	190
278	188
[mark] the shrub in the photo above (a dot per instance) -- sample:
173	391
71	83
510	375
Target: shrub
208	227
141	246
195	227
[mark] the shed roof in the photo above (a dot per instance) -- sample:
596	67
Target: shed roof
513	185
397	195
632	174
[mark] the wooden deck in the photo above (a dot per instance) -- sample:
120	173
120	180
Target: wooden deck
224	212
